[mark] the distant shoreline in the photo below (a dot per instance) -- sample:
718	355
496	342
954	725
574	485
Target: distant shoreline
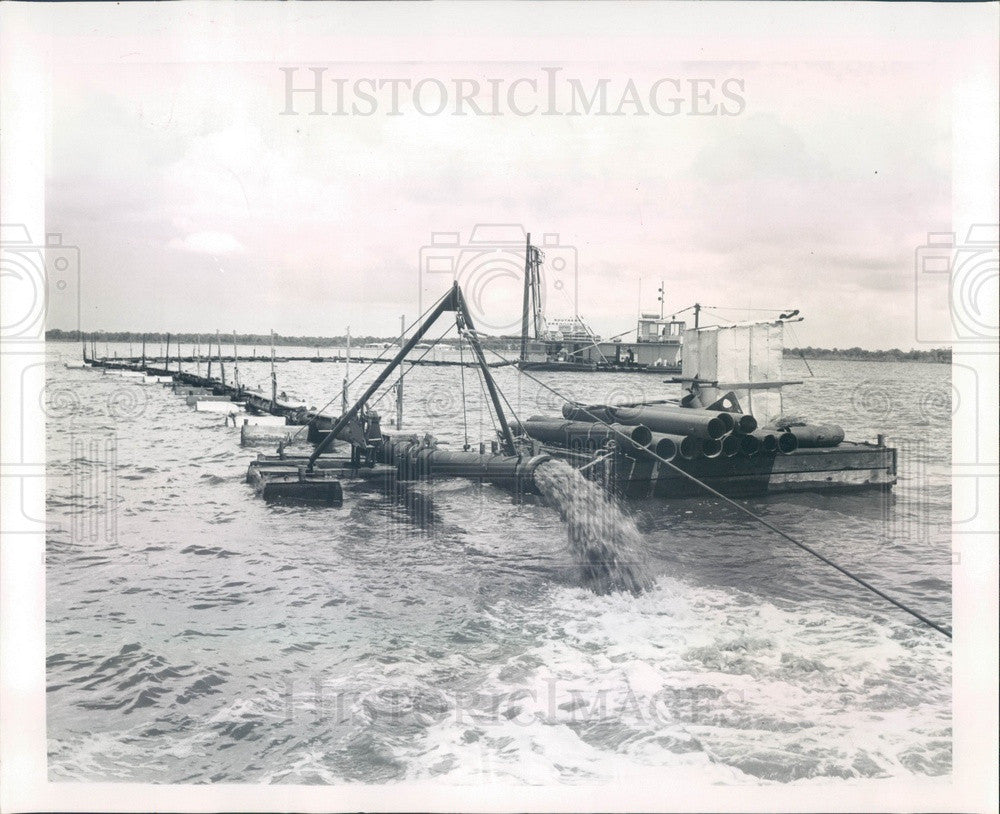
940	355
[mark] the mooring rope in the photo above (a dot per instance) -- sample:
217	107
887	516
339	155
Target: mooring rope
902	606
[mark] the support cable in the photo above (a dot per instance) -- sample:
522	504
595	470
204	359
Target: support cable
465	406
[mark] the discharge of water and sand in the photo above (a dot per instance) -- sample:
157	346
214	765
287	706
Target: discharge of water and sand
602	538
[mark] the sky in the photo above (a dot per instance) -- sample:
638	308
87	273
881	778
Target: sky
196	205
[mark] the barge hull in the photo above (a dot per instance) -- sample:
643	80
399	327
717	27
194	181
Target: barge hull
847	467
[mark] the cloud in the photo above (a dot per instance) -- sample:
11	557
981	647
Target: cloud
210	243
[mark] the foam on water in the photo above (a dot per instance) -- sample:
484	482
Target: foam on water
604	541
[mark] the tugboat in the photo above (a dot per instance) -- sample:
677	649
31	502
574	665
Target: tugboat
570	345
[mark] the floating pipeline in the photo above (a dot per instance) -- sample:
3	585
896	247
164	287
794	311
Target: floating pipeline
418	461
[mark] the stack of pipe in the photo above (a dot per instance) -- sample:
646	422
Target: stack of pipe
669	431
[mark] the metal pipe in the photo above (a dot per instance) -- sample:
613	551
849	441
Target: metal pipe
590	412
675	422
728	420
817	435
686	446
664	446
731	446
711	447
749	445
768	441
787	443
426	463
745	423
585	435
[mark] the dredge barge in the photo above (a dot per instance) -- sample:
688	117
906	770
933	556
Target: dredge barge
726	433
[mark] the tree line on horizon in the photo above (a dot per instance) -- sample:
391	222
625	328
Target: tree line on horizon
863	355
809	352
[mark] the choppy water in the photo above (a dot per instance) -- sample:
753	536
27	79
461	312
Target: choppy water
197	635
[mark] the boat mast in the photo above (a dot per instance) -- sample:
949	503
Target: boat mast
524	308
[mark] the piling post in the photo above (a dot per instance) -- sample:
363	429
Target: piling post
222	367
347	370
399	385
274	376
236	363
